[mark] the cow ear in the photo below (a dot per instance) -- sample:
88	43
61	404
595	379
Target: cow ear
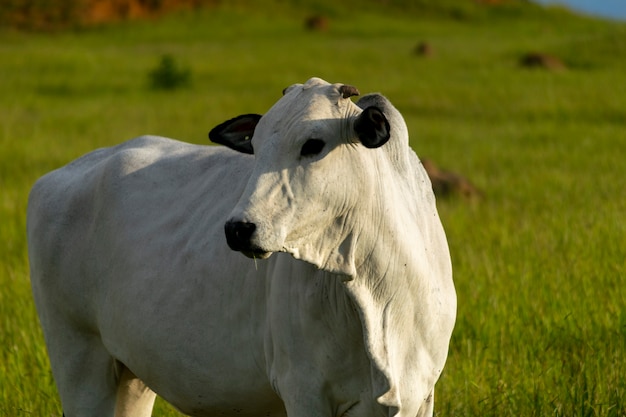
372	127
236	133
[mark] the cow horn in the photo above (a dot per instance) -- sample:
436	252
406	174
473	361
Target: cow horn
348	91
291	87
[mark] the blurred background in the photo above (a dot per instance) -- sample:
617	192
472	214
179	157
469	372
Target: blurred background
49	13
517	109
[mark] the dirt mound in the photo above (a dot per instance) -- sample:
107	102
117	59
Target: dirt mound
447	183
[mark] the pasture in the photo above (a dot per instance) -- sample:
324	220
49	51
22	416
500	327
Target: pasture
539	261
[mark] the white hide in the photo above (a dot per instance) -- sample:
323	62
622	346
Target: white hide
136	287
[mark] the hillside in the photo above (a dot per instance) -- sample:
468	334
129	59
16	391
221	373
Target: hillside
64	14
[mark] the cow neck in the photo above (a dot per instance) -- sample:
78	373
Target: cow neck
392	288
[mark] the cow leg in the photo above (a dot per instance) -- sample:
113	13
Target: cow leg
85	375
134	398
92	383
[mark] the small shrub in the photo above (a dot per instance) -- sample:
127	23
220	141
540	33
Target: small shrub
168	75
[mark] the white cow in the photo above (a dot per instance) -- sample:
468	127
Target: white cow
138	292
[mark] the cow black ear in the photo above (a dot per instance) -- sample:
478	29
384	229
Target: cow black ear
236	133
372	127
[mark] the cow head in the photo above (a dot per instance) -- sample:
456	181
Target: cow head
312	172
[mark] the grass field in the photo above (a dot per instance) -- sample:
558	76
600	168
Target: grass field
540	261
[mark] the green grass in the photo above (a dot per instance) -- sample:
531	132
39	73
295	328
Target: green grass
539	262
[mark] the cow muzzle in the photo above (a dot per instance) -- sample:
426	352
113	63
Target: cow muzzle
239	236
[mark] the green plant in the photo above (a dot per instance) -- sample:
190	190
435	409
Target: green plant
169	75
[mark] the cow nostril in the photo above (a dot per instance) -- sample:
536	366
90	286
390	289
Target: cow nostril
239	234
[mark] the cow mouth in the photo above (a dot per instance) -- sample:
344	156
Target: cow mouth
240	238
256	254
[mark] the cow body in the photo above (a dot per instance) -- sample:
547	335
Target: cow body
136	286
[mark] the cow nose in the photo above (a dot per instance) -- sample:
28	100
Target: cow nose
239	234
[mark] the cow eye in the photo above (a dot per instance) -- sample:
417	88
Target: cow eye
312	147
